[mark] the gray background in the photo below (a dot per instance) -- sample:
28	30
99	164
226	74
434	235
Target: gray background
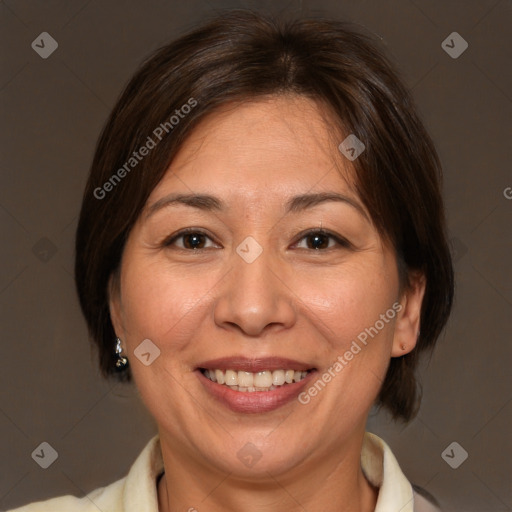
53	110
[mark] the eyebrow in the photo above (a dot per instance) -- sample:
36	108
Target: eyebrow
295	204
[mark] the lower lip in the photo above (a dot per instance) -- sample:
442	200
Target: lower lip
255	401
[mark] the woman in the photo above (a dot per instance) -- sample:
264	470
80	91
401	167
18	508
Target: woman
262	249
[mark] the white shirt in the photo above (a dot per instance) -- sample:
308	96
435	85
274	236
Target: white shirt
137	492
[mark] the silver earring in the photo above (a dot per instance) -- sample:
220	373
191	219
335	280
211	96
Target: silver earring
121	361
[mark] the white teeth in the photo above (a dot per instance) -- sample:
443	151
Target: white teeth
245	379
297	376
278	377
219	376
231	378
263	379
251	382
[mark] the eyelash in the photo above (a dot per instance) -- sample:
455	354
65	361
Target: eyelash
318	231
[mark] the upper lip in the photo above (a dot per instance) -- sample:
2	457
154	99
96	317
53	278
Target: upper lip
254	364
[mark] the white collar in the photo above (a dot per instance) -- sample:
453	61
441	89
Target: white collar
377	462
382	470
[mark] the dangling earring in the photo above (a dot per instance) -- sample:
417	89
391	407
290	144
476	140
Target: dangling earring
121	361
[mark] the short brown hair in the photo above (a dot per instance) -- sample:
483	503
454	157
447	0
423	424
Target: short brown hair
240	56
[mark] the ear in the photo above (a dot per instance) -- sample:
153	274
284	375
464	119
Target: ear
115	307
407	325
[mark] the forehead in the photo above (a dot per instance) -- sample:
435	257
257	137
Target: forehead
262	149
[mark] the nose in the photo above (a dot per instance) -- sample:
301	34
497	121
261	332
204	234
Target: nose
255	297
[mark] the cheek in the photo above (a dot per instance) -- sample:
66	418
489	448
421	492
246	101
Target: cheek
357	352
155	304
163	308
355	346
346	304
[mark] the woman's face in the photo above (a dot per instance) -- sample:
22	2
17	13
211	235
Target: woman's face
254	290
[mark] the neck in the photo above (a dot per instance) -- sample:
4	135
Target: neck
334	485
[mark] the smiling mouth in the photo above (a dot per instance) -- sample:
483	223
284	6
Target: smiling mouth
266	380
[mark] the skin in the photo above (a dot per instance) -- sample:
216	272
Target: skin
197	305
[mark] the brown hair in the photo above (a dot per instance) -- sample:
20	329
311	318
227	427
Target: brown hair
240	56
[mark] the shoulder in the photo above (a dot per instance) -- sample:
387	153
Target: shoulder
106	499
136	492
395	491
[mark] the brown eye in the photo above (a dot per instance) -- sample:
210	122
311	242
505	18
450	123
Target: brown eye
189	240
194	241
318	240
